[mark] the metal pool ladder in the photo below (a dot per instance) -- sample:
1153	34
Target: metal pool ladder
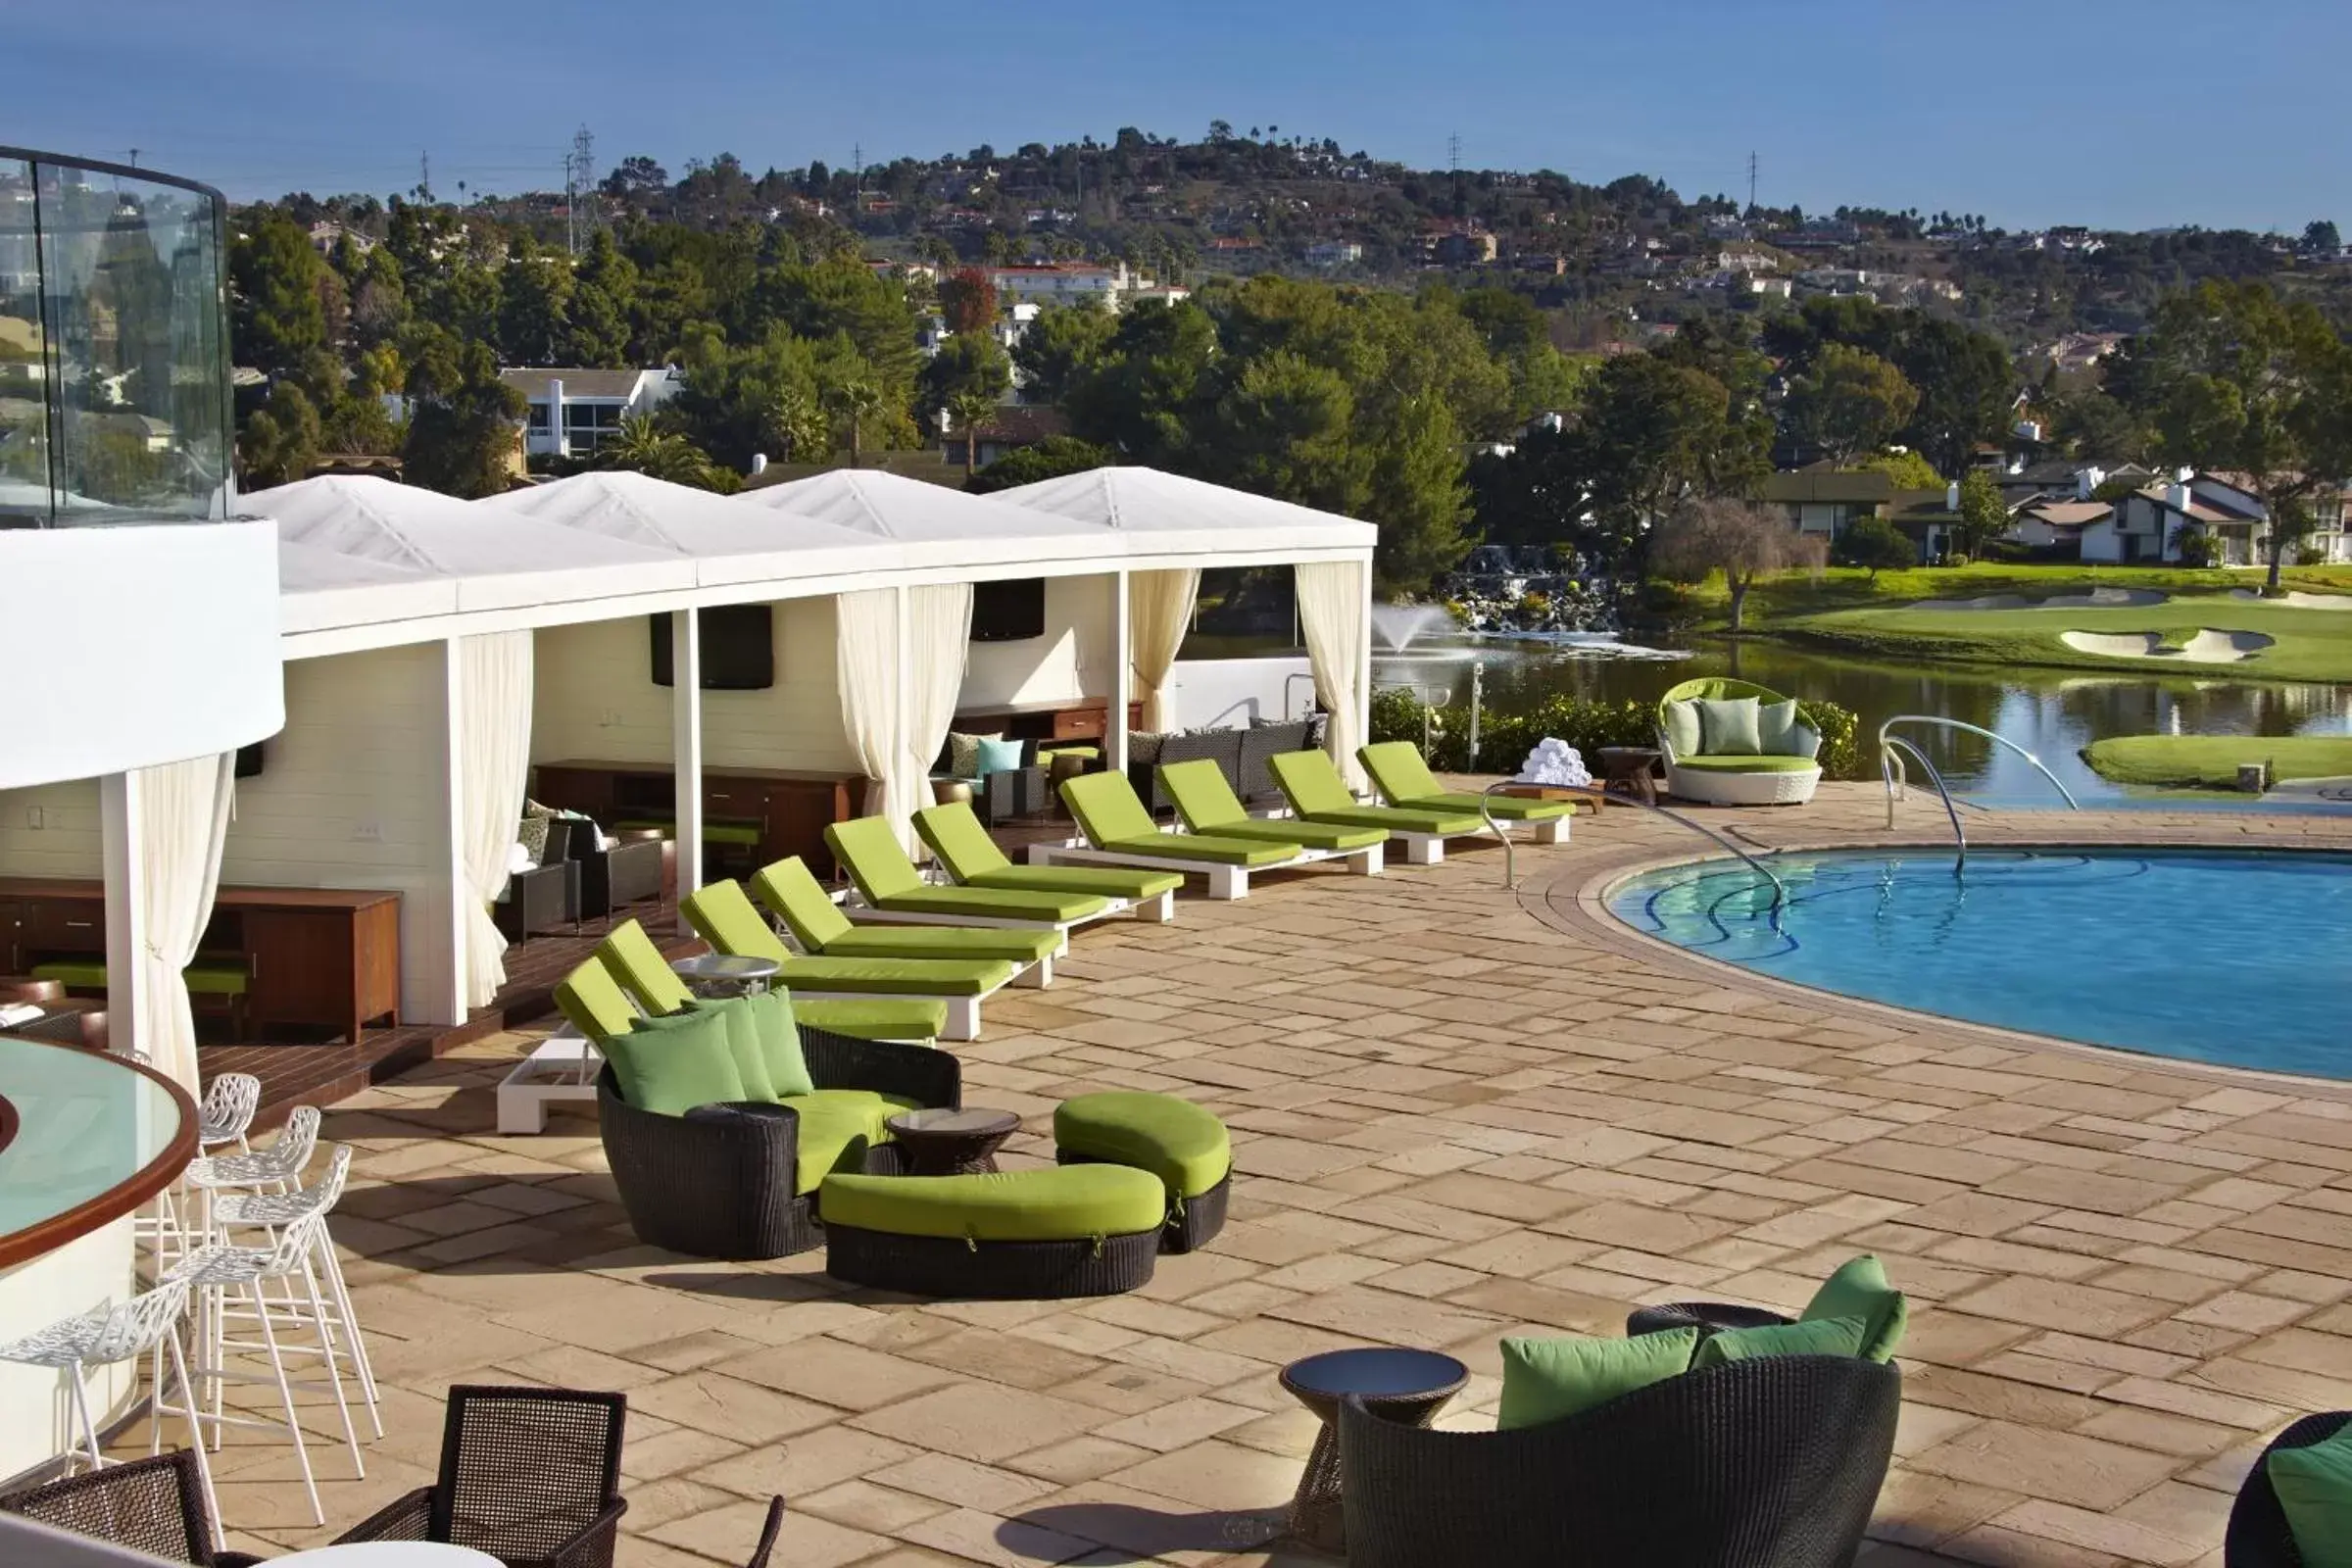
1511	876
1893	749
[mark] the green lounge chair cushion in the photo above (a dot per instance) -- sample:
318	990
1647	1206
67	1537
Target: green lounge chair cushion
1401	819
1113	818
881	1018
641	969
1747	764
743	1040
669	1067
1728	726
1175	1140
1093	753
1503	808
592	1002
217	979
1059	1204
1018	945
2313	1484
739	835
955	836
665	825
1545	1380
1317	793
793	894
972	858
1681	725
1249	854
1405	780
1821	1336
889	881
897	978
1208	805
837	1127
82	974
1330	837
1859	1288
723	915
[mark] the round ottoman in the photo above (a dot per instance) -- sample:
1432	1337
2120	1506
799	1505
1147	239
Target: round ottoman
1027	1235
1174	1139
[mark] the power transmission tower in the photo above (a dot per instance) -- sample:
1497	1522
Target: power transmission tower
856	169
1454	159
425	177
579	184
1751	182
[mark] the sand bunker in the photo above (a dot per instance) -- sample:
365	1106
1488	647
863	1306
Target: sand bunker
2207	647
2298	601
2097	598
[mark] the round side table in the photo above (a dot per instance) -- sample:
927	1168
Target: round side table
724	974
1404	1386
952	1143
1629	770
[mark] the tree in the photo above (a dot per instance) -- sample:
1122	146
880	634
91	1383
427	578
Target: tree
1742	541
857	401
1060	346
968	301
277	315
968	409
1651	436
642	445
1875	545
1850	402
464	422
965	363
1983	514
2320	238
1906	468
280	440
1049	458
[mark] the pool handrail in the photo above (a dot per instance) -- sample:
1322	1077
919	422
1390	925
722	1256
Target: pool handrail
1780	890
1890	748
1897	777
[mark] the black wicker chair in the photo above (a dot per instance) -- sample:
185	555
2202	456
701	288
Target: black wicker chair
722	1181
612	878
1261	742
1706	1316
530	1476
1773	1462
545	897
152	1505
2258	1536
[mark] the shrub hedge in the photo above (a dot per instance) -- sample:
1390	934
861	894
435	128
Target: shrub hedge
1585	723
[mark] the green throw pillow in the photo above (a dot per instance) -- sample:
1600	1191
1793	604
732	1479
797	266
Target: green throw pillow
1546	1380
1776	728
1727	727
1860	1290
1823	1335
669	1071
2315	1489
1681	729
780	1044
742	1041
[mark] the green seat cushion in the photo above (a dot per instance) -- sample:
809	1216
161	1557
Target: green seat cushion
998	903
1175	1140
1727	726
1401	819
1093	753
592	1002
645	824
744	1042
641	969
1201	796
1859	1288
1398	771
1019	945
1208	849
669	1067
955	835
869	850
82	973
792	892
897	978
217	979
1545	1380
1106	808
1330	836
741	835
837	1127
1821	1336
1060	1204
882	1018
723	915
1747	764
2313	1484
1098	881
1503	807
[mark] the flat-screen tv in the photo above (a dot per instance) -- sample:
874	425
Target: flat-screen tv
249	760
1009	612
738	647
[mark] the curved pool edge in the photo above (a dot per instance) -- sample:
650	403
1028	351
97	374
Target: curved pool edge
1585	913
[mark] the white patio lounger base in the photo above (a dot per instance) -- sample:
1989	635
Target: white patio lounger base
1225	882
563	1067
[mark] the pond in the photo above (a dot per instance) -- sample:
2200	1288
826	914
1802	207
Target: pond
2051	713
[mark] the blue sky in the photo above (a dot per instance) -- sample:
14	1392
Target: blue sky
2128	114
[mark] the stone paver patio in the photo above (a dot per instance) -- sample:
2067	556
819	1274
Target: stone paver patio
1459	1112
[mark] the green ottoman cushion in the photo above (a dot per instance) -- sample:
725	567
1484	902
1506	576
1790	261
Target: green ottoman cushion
736	835
1175	1140
837	1127
82	974
217	979
1059	1204
1748	765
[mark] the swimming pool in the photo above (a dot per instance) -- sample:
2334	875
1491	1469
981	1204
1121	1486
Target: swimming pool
2224	955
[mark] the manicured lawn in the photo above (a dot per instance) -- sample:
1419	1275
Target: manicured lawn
2209	761
1849	588
2314	645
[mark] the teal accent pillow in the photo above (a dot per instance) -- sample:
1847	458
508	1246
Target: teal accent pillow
1681	729
2315	1490
1727	727
669	1069
1860	1290
1825	1335
780	1044
1546	1380
743	1040
1776	728
998	756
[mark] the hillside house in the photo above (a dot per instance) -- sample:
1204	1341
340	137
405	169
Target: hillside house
574	409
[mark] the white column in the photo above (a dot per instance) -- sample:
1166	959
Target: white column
123	838
441	966
1122	676
686	748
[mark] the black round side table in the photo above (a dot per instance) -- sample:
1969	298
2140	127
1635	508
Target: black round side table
1405	1386
952	1143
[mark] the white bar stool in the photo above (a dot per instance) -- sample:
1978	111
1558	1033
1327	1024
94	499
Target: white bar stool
277	1209
231	1101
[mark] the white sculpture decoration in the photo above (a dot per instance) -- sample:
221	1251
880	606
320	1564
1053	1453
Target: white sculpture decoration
1555	763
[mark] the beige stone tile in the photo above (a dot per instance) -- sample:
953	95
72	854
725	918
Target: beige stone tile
980	1421
2060	1466
844	1375
729	1534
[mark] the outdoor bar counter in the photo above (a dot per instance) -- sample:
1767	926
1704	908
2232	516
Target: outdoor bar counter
86	1139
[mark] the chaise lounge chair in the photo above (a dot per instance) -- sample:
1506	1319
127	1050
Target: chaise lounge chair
1208	805
1404	781
973	859
890	888
1764	763
1119	831
1317	794
790	892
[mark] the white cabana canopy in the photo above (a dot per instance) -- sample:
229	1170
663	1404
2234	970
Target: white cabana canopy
1145	501
892	506
675	520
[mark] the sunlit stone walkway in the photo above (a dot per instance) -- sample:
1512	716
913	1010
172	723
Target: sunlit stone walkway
1459	1112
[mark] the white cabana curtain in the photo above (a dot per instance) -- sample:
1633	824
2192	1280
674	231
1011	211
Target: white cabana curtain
1159	609
865	665
1332	612
494	754
939	638
183	811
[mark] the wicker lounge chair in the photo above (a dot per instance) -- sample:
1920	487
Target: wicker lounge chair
154	1505
973	859
2258	1535
890	888
1773	1462
1317	794
1784	777
1118	831
1404	779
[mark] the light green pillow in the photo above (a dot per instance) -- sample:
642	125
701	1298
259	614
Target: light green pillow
1776	728
780	1044
1826	1335
1681	729
1546	1380
742	1041
669	1071
2315	1490
1727	727
1860	1290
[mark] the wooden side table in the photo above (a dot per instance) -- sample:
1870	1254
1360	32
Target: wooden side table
1631	770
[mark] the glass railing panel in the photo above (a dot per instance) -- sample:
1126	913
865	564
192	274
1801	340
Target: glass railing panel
25	490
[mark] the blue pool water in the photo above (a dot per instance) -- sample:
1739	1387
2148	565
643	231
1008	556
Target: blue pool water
2235	956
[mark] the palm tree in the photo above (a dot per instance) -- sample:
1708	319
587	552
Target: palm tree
965	410
641	446
789	417
859	401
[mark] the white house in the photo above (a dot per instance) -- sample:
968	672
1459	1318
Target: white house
574	408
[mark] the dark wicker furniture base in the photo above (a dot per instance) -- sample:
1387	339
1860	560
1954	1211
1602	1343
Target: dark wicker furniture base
1773	1462
1412	1387
1036	1271
2258	1536
1188	1231
1706	1316
154	1505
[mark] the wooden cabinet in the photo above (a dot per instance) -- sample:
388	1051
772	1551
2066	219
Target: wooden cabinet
790	807
1086	720
319	957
